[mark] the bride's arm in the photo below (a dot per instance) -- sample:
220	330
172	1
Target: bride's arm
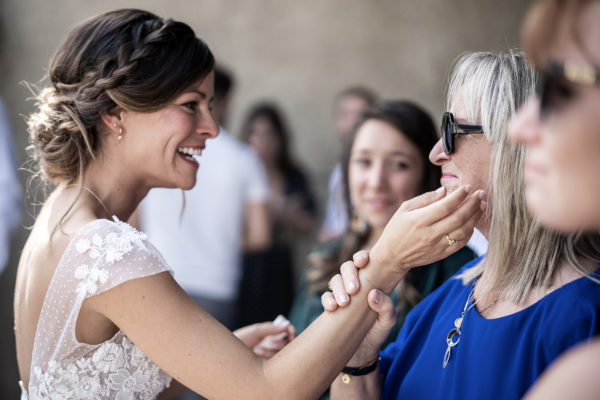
196	350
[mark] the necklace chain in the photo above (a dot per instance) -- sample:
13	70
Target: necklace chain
453	336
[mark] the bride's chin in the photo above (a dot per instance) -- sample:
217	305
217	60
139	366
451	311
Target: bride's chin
187	185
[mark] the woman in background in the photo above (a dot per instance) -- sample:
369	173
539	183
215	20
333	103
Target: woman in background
267	286
384	163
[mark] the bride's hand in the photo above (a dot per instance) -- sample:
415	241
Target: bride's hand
428	228
266	338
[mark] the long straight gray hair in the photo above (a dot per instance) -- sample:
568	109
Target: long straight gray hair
524	254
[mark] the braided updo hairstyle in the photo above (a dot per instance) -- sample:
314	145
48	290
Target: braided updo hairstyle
128	58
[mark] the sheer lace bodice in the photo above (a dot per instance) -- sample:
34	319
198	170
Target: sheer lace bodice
102	255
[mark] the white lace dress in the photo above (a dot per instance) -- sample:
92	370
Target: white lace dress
102	255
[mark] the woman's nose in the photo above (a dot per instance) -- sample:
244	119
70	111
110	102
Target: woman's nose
437	155
524	126
377	176
208	126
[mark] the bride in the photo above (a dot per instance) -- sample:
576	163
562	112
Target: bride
98	314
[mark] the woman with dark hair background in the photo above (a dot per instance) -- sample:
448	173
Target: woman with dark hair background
384	163
267	287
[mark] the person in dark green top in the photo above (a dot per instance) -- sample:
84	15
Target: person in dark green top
385	162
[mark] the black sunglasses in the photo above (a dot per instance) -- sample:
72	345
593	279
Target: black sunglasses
450	129
556	81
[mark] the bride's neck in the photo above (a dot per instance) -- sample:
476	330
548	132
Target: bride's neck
107	194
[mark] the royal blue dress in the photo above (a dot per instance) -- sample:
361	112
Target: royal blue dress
495	358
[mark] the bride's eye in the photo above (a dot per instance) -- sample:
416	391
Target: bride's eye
192	105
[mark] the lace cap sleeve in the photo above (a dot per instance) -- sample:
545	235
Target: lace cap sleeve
102	255
110	253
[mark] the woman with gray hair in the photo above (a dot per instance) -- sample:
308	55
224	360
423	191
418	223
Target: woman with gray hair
509	314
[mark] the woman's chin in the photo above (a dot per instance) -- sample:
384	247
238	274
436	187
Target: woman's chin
187	185
550	214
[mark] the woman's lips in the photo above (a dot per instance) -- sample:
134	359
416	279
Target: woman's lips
378	204
532	170
447	175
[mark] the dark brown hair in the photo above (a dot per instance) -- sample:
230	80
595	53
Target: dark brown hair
128	58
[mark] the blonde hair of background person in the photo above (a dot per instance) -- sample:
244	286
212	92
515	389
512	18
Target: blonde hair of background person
486	89
561	133
129	92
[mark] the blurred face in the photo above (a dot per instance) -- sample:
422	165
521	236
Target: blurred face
347	111
470	162
168	140
264	139
563	147
385	169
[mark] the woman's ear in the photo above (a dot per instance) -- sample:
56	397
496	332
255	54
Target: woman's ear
111	117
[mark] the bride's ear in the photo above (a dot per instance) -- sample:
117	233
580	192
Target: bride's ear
111	118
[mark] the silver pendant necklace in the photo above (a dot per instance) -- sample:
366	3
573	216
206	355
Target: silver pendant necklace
453	336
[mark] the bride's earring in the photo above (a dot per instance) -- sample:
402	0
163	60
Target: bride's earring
120	135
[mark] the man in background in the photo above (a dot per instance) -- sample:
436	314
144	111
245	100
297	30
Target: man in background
348	106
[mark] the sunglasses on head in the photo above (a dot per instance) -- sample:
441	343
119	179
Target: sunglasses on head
450	129
556	81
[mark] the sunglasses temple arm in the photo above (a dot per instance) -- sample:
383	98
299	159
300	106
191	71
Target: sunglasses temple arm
466	129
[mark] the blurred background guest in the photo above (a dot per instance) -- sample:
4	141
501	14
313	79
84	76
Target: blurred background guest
268	282
349	104
10	194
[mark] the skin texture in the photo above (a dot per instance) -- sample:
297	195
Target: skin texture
385	169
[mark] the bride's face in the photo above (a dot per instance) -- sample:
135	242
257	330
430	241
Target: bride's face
162	147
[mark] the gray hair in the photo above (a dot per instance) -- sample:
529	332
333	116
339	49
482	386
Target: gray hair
524	254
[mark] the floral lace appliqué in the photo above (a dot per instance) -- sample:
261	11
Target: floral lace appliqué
108	249
116	370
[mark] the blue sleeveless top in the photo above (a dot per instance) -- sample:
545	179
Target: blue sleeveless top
495	358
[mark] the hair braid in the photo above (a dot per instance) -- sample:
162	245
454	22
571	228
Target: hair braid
127	58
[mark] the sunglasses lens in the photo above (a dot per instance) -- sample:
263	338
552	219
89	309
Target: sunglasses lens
447	137
555	93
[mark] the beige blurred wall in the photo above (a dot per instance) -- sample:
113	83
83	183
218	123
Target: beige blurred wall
298	53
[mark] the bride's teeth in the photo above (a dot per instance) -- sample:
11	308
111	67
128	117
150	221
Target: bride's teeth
190	151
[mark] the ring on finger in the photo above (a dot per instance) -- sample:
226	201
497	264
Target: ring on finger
451	242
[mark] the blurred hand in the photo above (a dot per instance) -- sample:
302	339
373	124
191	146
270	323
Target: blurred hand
266	338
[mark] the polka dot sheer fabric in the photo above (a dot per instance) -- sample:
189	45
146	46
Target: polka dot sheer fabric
101	256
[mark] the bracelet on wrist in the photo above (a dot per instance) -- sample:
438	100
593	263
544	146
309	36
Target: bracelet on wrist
347	372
